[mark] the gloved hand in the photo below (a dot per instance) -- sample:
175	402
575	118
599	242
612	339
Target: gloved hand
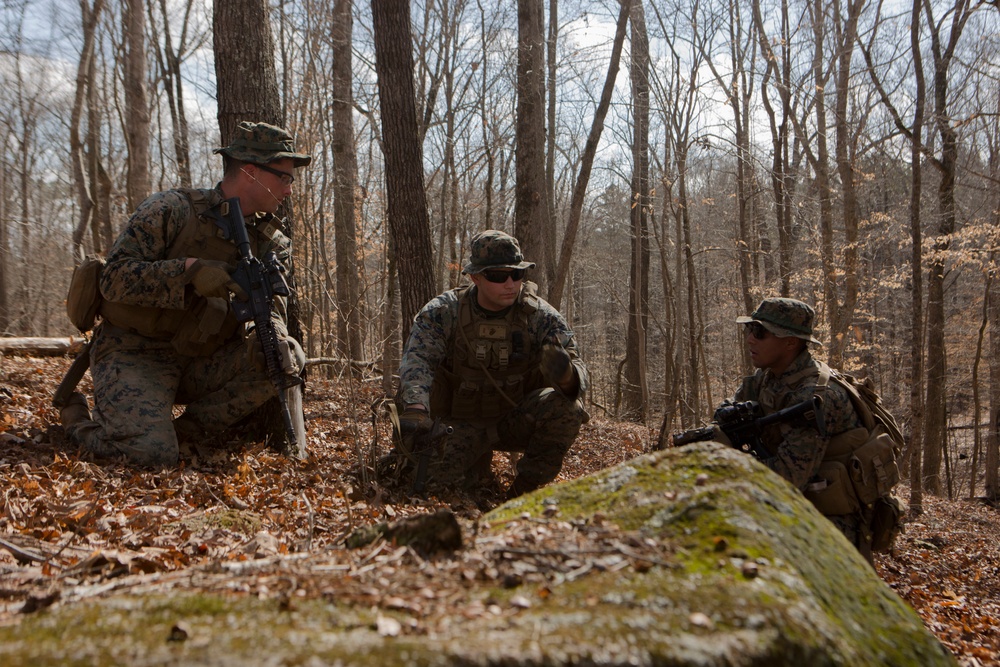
289	351
555	363
212	278
415	421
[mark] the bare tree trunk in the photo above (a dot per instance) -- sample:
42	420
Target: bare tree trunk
345	166
977	440
917	276
738	89
484	116
244	65
992	462
820	160
169	59
5	254
409	226
636	391
587	161
247	83
781	180
842	316
992	488
391	343
531	207
81	173
136	103
549	242
937	369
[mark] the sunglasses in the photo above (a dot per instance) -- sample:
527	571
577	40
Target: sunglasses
501	276
286	178
757	330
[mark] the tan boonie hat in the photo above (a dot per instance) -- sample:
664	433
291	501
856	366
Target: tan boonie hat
784	318
494	249
260	143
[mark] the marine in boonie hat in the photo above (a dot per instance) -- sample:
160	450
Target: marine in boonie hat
260	143
784	318
494	249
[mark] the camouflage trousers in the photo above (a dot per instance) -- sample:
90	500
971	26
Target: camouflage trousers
543	426
137	382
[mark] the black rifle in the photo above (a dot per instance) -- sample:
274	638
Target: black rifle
423	447
263	280
744	422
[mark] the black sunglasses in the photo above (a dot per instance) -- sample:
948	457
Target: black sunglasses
285	177
757	330
500	276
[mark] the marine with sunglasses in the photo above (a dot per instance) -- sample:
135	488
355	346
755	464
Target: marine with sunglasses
168	335
777	335
500	366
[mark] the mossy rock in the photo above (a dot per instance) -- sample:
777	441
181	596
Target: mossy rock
755	576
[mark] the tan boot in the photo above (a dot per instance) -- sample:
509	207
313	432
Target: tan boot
75	410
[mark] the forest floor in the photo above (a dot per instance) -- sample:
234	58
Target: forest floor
71	527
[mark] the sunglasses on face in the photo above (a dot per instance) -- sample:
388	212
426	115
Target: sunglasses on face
501	276
757	330
286	178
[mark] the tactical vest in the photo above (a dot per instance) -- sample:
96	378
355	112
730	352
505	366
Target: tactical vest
491	363
859	465
205	323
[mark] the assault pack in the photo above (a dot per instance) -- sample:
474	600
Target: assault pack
860	467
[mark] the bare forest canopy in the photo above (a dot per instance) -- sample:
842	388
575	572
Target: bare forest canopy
847	154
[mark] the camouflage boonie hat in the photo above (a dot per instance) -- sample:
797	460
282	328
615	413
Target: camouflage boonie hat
784	318
494	249
260	143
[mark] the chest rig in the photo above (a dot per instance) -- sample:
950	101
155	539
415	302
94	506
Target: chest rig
492	361
203	325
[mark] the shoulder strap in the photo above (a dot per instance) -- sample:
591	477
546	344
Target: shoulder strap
859	403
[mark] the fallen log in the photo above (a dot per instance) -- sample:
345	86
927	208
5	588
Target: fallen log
41	347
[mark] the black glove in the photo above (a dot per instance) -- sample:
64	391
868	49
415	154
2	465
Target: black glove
415	421
289	351
212	278
555	362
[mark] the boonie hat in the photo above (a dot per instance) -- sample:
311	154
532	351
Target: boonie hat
260	143
784	318
494	249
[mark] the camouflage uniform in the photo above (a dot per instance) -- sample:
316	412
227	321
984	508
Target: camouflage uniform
543	421
797	448
139	377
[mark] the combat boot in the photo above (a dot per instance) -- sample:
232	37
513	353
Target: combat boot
521	486
75	410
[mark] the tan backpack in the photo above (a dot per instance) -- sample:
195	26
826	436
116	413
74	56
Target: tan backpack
865	465
83	301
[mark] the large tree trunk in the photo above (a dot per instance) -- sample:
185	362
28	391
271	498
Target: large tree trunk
244	65
407	200
917	272
530	201
248	90
345	176
136	103
636	390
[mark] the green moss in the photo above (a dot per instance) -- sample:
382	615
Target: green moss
812	601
